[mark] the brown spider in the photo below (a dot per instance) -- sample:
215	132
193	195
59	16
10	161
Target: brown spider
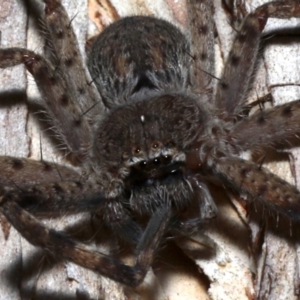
161	137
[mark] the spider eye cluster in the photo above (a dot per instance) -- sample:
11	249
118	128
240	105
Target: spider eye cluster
153	161
150	154
161	158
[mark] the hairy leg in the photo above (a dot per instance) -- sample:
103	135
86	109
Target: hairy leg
18	172
68	57
61	245
67	116
69	98
201	34
231	90
260	184
266	127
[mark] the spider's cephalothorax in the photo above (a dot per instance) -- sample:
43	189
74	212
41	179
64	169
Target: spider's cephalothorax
151	139
149	155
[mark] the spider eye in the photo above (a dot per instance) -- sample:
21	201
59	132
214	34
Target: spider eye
137	150
143	164
155	146
166	159
156	161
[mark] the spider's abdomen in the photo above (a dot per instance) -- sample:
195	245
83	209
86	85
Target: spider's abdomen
138	56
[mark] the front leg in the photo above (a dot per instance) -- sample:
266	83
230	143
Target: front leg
63	246
19	172
51	190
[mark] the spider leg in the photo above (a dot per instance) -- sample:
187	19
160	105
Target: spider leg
201	31
231	89
18	172
262	185
206	203
70	99
30	182
63	246
201	210
57	198
70	197
50	190
266	127
68	118
68	57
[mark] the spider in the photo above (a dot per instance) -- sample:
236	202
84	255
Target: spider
151	140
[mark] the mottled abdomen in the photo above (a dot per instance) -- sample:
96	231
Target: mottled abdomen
138	56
